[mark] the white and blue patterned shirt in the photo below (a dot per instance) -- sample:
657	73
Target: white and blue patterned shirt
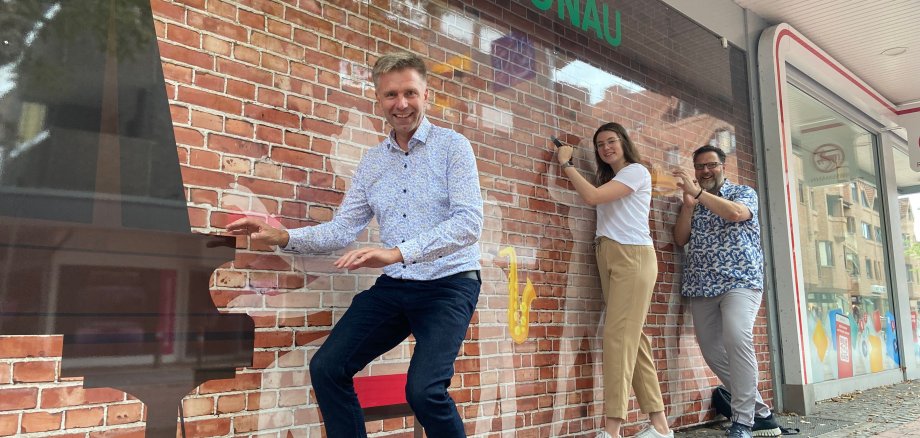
723	255
427	202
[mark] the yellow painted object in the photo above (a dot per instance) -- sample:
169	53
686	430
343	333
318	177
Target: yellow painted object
518	306
875	354
819	337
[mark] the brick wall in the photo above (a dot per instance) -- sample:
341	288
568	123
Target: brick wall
273	108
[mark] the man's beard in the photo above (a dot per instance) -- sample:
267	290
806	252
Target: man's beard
710	184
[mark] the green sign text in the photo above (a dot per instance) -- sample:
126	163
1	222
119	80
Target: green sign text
587	18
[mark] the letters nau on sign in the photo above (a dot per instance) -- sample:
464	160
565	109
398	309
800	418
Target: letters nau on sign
587	18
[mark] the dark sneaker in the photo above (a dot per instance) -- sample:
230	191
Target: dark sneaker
739	430
766	427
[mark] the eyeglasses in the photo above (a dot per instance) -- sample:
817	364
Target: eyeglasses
610	142
709	166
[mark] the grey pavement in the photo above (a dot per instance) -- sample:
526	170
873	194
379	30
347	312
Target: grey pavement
885	412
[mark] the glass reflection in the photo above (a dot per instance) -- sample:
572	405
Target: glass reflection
94	233
505	84
851	324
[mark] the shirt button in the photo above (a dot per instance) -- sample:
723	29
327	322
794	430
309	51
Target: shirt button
404	215
404	190
404	241
407	154
405	166
404	266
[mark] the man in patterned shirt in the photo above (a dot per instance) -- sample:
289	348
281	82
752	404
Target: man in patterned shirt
723	277
422	185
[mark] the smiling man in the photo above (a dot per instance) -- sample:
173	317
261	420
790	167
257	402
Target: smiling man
422	185
723	277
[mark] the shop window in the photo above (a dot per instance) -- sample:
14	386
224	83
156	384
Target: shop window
825	253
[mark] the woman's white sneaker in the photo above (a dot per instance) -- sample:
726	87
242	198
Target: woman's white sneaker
650	432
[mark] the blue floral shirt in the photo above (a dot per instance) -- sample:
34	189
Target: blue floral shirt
427	202
723	255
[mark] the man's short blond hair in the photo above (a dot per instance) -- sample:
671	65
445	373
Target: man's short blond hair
398	61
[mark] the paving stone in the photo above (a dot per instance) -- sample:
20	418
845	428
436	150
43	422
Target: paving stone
885	412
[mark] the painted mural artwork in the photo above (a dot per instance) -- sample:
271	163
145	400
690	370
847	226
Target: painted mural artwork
270	112
518	303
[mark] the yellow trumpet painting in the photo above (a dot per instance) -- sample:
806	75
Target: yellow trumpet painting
518	306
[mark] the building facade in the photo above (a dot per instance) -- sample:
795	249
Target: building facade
128	126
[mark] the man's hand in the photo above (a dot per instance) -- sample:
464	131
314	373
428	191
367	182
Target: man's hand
686	182
259	231
564	154
369	258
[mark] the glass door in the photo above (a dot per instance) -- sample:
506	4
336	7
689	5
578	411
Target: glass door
851	324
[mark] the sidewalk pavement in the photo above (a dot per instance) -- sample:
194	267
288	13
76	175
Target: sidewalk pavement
886	412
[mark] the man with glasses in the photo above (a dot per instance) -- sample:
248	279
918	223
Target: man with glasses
723	277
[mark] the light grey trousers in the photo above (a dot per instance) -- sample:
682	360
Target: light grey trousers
725	332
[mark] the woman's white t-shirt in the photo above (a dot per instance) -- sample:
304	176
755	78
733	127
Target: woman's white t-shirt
626	219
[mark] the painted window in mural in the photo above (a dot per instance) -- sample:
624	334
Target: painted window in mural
851	324
266	108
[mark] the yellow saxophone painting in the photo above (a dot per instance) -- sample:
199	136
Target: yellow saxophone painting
518	307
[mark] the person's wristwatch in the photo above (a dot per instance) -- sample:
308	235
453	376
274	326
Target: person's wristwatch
569	163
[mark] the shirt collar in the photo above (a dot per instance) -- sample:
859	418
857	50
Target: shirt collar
726	184
420	136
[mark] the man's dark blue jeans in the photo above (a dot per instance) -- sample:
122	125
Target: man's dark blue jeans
436	312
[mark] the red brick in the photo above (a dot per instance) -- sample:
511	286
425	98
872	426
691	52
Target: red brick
208	427
33	422
241	382
268	188
203	158
6	373
18	398
186	56
237	146
243	71
210	100
30	346
203	120
43	371
231	403
58	397
210	82
197	406
297	158
205	178
123	413
183	35
89	417
166	10
271	115
274	339
217	26
9	424
188	137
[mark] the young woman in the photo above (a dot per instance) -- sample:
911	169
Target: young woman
628	268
